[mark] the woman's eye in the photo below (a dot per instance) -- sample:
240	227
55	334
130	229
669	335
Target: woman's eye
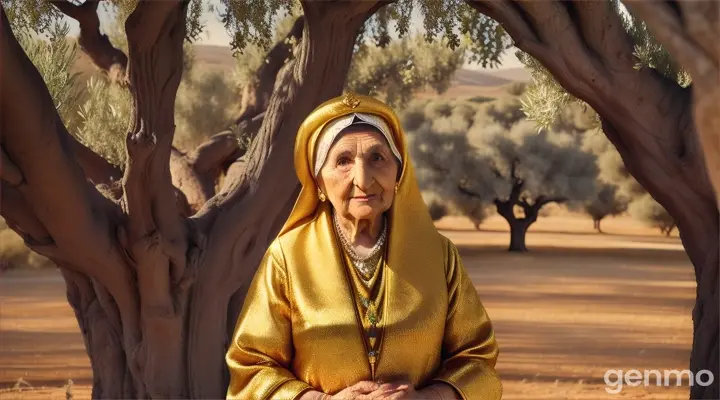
343	161
378	157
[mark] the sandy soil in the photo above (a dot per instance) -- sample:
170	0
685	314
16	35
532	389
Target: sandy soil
577	305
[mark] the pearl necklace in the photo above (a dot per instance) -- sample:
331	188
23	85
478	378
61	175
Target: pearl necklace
365	265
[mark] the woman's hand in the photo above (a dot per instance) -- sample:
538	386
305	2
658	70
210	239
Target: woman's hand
401	390
358	391
405	390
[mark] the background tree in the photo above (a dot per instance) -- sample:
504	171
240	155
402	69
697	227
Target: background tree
157	289
592	52
519	170
606	203
645	208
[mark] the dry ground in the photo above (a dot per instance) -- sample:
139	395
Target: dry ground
577	305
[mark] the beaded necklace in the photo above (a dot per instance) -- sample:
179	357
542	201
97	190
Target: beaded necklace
365	265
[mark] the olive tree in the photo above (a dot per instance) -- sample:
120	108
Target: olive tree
157	277
606	203
467	159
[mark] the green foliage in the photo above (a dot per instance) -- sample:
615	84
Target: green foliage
38	16
253	56
487	40
53	59
251	22
205	104
544	99
193	24
120	10
397	71
105	119
648	51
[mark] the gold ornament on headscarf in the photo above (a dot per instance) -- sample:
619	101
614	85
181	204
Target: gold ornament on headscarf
351	100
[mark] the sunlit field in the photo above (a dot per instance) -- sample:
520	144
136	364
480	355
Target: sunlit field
579	303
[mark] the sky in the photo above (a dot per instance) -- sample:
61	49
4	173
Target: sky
214	33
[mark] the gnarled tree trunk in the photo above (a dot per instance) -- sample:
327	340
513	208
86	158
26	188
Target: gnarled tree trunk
648	118
156	294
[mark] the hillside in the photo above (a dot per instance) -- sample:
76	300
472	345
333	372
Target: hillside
511	74
466	83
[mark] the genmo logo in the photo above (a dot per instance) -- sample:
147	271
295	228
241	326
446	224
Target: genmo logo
615	379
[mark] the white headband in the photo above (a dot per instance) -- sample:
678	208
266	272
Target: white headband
334	127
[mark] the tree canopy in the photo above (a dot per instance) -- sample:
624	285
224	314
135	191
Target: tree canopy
480	155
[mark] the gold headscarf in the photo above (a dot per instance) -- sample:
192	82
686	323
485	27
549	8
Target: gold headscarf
409	214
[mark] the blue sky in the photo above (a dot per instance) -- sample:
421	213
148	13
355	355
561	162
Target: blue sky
214	33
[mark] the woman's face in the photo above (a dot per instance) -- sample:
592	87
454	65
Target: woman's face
359	173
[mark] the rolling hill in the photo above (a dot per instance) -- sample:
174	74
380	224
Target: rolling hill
466	83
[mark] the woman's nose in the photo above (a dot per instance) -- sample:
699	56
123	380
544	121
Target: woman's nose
363	176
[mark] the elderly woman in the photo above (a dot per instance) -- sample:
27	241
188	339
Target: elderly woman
360	297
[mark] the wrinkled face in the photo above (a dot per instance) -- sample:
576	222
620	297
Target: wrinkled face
360	173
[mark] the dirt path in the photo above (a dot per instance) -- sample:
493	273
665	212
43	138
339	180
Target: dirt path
576	306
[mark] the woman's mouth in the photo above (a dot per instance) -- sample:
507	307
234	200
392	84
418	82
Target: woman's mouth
364	198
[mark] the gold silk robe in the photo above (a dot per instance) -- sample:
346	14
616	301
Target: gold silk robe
300	328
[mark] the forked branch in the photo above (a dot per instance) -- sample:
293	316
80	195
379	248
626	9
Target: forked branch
95	44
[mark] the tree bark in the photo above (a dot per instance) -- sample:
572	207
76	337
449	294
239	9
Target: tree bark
256	94
648	118
155	294
518	231
689	30
96	45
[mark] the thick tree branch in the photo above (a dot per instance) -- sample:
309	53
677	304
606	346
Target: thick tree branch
9	172
38	145
215	152
691	37
541	201
21	218
156	31
156	236
256	94
97	169
95	44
